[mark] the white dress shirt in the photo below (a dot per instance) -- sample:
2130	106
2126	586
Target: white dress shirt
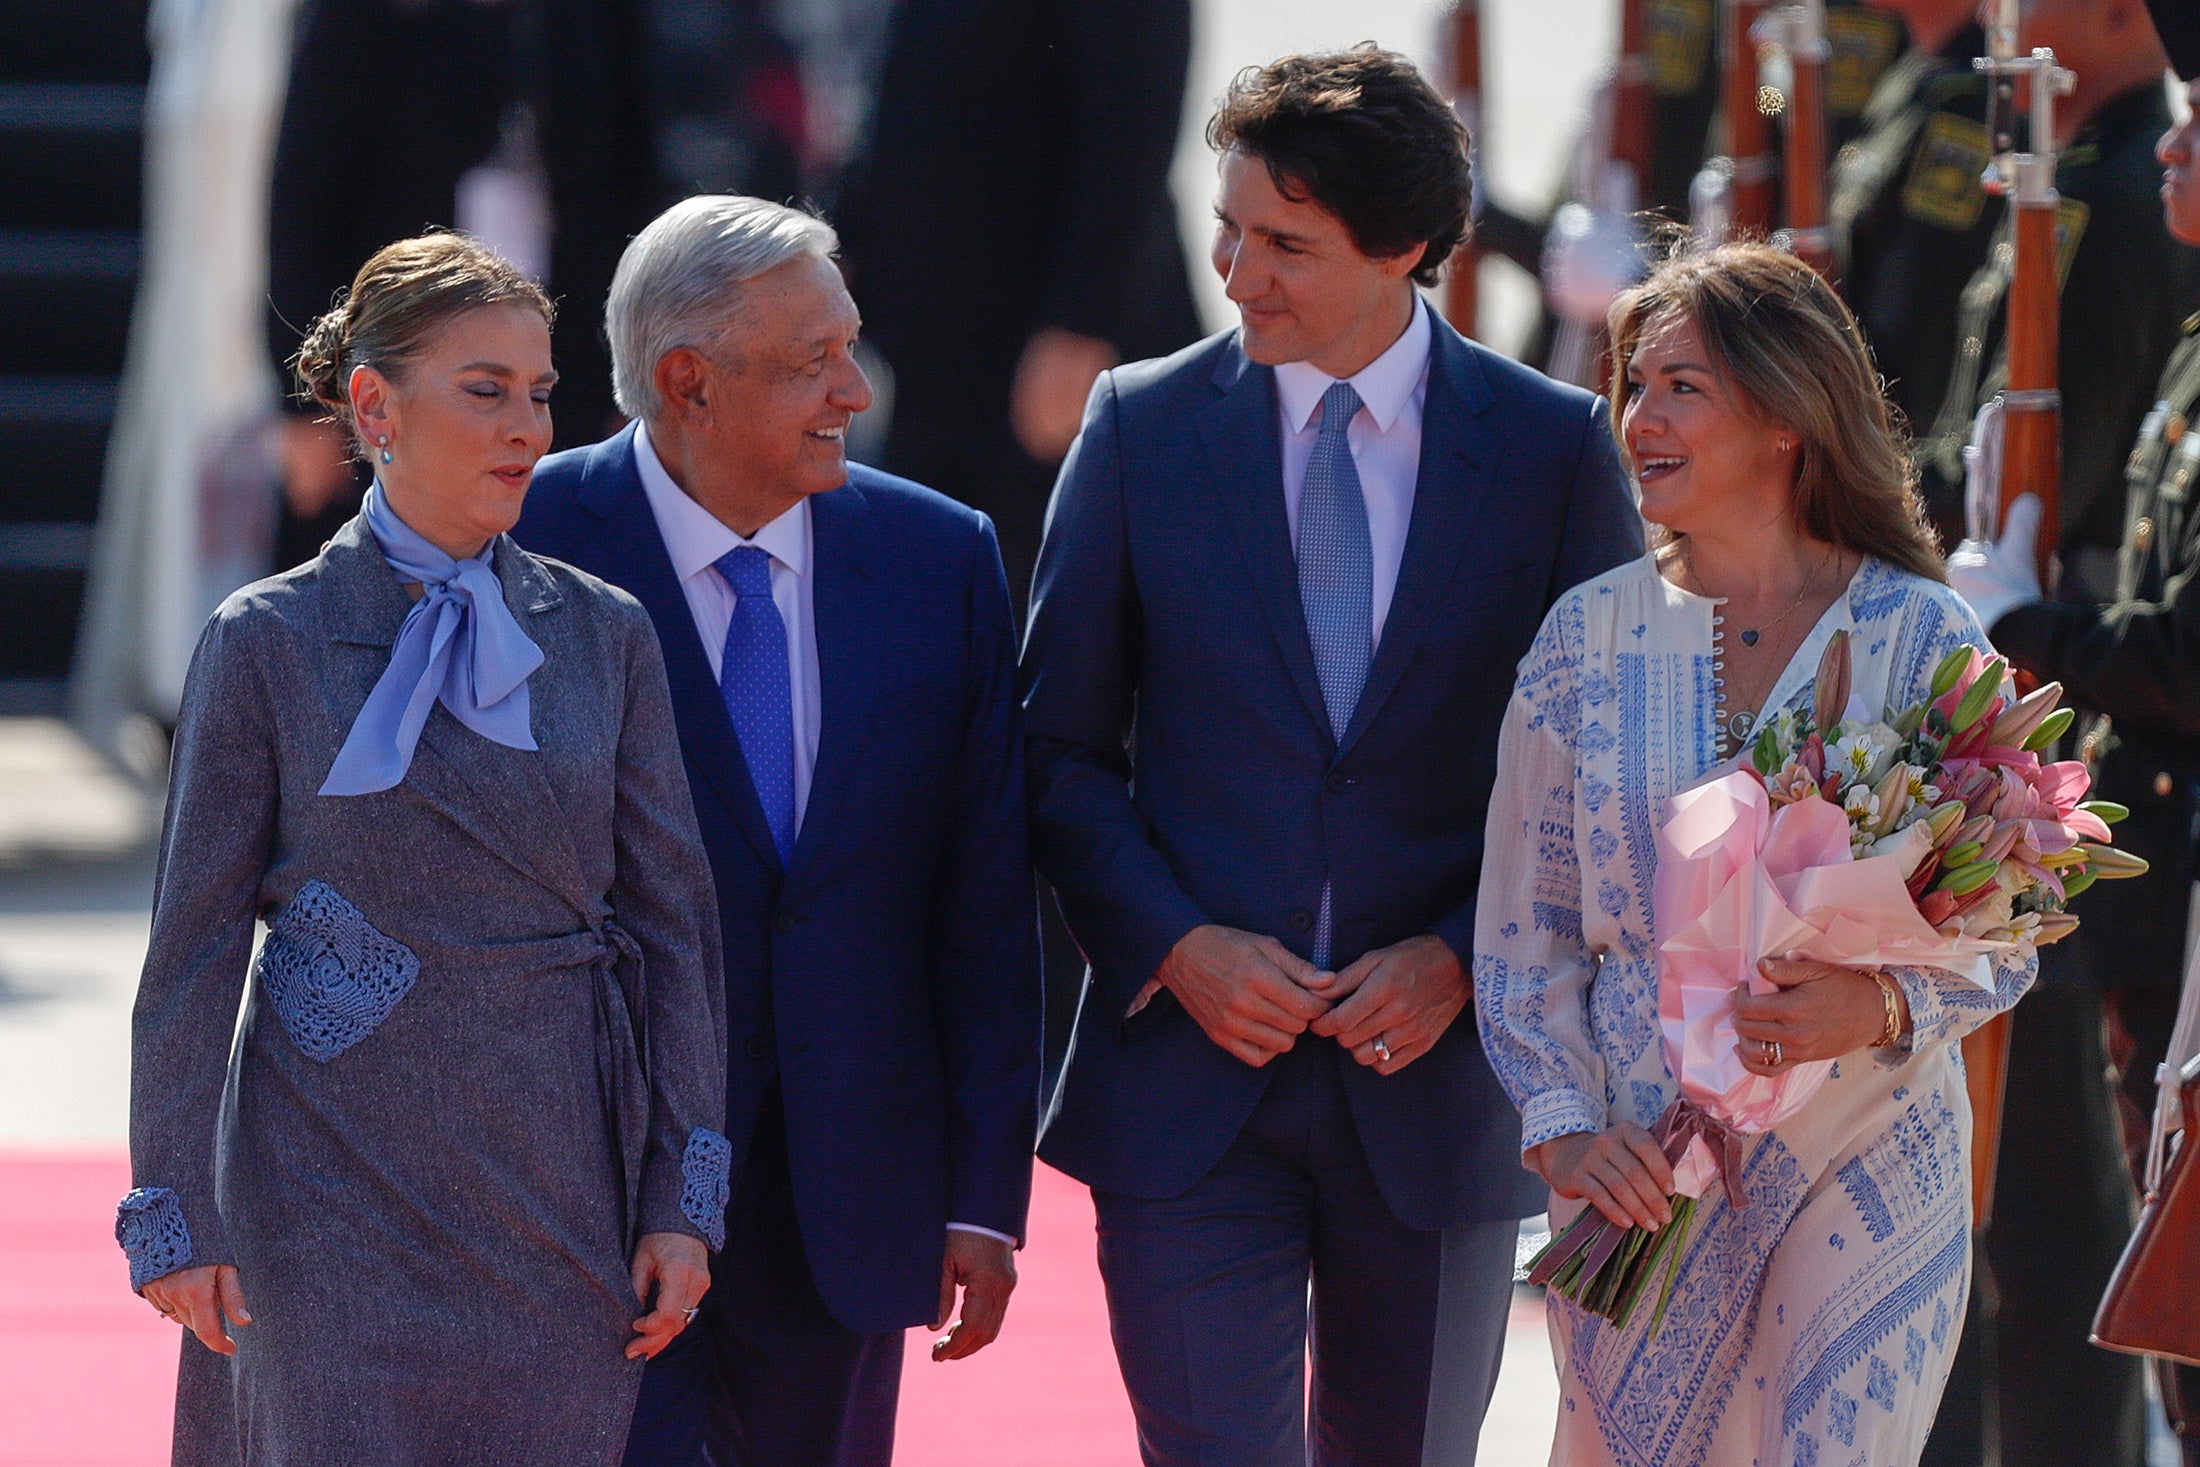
696	539
1385	438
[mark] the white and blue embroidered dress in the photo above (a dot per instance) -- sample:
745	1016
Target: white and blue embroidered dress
1813	1328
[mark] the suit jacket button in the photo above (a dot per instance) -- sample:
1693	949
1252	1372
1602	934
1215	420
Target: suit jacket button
1301	920
753	1047
1339	783
784	922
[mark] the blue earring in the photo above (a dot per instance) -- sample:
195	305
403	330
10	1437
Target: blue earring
385	449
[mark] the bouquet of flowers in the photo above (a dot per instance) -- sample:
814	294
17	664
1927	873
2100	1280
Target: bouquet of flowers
1933	836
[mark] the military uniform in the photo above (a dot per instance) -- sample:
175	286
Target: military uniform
2126	284
1685	63
1912	222
2132	665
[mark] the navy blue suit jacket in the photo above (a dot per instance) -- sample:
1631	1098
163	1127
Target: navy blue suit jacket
890	973
1182	770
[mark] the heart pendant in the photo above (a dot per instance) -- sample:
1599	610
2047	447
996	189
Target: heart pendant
1750	636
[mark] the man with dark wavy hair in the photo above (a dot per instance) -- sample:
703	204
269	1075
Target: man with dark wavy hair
1287	575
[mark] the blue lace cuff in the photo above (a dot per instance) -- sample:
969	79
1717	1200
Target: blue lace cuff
149	1226
706	1177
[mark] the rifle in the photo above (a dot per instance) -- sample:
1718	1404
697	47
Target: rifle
1799	31
1733	197
1462	28
2031	433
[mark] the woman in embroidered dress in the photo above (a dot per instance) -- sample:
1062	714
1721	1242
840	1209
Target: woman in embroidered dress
1815	1326
457	1176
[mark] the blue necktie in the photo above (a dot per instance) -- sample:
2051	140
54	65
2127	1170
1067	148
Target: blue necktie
753	679
1336	583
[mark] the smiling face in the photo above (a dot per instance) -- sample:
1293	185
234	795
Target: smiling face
1704	461
2179	151
779	401
466	419
1303	290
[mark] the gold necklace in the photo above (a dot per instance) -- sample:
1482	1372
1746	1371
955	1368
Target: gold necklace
1739	724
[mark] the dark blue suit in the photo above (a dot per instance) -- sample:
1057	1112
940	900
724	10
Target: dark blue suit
1182	770
883	1006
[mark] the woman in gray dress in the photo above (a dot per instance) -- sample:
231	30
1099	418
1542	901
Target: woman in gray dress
453	1177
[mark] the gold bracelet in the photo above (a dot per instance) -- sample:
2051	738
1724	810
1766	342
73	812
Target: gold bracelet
1891	997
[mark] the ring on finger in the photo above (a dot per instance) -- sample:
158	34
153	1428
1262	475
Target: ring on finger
1774	1058
692	1312
1382	1050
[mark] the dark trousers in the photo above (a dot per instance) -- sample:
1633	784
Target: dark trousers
1208	1295
2027	1389
766	1377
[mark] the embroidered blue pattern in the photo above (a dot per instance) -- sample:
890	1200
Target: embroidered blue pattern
330	976
1615	708
706	1183
149	1225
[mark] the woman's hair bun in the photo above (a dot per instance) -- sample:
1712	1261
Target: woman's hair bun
399	300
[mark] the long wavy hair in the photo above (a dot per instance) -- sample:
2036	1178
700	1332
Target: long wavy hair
1787	346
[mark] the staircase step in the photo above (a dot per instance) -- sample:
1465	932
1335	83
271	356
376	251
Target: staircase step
65	300
38	618
53	445
74	40
71	153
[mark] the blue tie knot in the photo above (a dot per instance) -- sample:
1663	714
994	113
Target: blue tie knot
747	569
1339	404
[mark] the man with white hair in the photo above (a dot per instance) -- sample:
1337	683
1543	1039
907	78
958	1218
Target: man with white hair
842	660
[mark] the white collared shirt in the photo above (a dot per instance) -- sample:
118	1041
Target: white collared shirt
695	538
1385	437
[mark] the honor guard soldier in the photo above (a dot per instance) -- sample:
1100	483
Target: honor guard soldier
2126	285
2130	661
1911	218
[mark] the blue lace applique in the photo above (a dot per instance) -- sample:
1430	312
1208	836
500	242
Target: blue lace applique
331	977
706	1174
149	1225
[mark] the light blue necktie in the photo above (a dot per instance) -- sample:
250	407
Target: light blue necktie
460	645
753	680
1336	583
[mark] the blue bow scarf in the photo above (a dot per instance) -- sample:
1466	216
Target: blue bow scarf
460	645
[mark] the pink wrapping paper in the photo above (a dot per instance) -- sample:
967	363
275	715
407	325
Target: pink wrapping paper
1739	881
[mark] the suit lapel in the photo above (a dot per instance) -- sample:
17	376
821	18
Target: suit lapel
634	556
1451	488
842	606
1245	457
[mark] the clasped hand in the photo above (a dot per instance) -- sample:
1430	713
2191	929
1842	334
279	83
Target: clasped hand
1254	997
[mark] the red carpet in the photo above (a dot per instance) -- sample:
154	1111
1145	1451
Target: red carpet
87	1371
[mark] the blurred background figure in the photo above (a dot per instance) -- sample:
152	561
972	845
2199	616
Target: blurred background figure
1010	234
1909	213
553	129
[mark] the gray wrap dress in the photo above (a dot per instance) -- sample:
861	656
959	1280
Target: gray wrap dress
481	1051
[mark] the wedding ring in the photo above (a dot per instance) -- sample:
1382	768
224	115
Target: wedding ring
1773	1057
691	1313
1382	1050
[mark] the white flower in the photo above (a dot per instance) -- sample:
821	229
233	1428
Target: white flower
1859	804
1862	754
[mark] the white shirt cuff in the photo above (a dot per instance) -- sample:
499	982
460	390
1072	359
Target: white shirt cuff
955	1227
